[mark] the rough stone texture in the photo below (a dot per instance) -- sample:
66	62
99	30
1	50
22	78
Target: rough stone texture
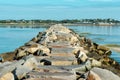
59	61
9	67
59	54
9	56
8	76
44	79
93	76
21	72
30	62
59	75
105	74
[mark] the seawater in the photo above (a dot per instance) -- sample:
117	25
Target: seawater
12	38
101	35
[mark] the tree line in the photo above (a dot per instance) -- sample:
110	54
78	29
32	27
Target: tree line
75	21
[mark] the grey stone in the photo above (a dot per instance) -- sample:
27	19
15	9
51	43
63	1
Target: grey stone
21	72
59	75
9	67
105	74
30	62
7	76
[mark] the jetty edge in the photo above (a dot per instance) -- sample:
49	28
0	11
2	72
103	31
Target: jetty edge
59	54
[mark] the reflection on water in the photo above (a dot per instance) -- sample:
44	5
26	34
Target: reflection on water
101	35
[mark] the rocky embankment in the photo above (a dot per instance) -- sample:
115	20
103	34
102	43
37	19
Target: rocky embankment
59	54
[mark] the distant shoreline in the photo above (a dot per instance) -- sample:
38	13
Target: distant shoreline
38	25
114	47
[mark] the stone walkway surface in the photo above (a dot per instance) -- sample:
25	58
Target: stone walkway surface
59	54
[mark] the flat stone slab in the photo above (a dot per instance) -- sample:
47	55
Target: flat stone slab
59	61
62	50
58	54
59	75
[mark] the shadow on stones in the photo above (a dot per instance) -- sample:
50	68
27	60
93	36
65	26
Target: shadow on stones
46	62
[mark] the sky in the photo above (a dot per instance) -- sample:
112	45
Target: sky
59	9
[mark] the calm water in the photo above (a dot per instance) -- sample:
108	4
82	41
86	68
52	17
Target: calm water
101	35
12	38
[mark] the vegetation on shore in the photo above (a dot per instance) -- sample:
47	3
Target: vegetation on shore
95	22
112	45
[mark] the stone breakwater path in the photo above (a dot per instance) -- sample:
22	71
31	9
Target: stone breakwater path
59	54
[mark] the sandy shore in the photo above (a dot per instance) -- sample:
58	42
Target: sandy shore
117	49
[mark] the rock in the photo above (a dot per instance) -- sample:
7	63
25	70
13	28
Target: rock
29	48
7	76
5	64
35	39
95	63
30	62
74	40
59	54
105	74
33	48
49	78
54	75
52	72
20	54
44	49
20	72
80	55
93	76
82	67
9	67
59	61
59	28
16	68
9	56
103	50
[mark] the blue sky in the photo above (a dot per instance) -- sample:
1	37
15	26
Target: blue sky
59	9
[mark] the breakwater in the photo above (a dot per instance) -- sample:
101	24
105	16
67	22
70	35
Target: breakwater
56	54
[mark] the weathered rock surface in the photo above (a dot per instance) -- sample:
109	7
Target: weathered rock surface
8	76
103	74
59	54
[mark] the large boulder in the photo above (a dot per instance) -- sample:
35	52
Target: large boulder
7	76
80	54
105	74
9	67
93	76
30	62
20	72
